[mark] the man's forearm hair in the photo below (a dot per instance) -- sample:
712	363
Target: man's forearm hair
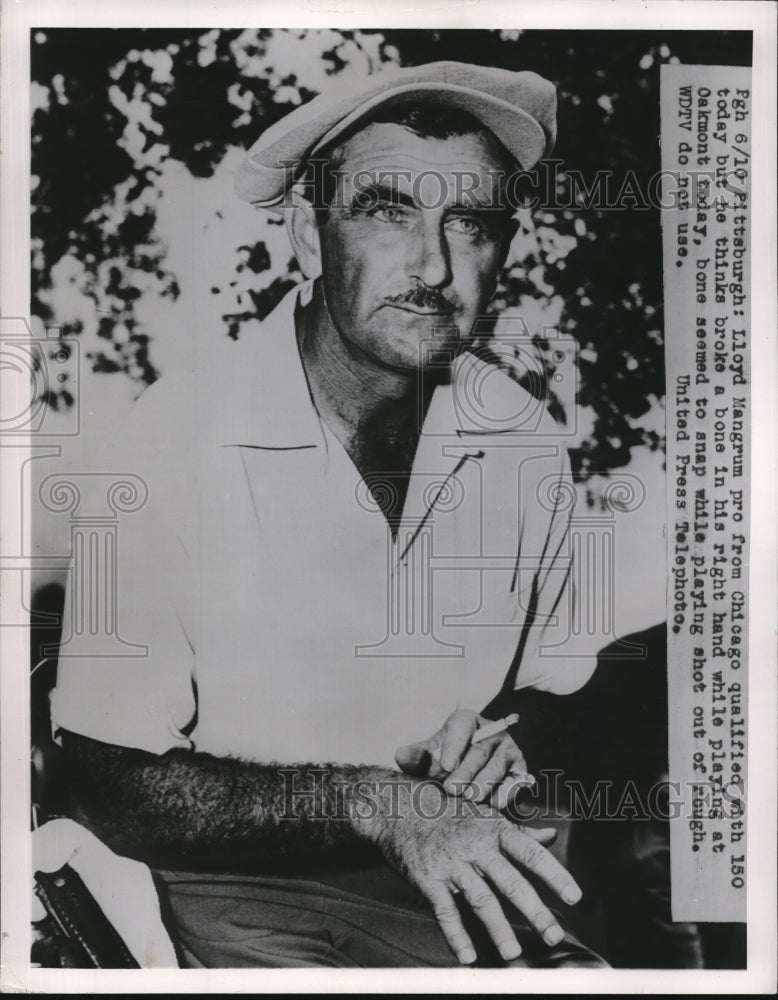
189	808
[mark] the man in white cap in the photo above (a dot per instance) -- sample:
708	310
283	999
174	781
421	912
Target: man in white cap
361	537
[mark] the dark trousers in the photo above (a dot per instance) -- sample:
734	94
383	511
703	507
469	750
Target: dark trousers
363	917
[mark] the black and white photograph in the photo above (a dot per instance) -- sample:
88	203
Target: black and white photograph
389	581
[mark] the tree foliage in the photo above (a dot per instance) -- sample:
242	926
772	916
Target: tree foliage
111	106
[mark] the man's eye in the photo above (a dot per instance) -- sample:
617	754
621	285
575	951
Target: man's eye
388	213
465	225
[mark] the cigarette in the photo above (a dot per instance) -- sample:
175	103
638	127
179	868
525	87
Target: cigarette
493	728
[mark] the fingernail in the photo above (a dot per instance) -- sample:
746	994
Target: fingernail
510	951
469	792
467	956
553	935
572	894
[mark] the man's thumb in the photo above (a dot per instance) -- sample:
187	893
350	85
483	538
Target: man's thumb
414	759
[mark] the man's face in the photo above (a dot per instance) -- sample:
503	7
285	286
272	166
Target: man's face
411	249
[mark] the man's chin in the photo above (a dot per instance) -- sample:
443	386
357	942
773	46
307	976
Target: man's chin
429	344
411	346
433	357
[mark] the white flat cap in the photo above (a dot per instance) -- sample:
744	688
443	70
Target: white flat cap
518	107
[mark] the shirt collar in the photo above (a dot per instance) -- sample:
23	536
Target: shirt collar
261	392
260	395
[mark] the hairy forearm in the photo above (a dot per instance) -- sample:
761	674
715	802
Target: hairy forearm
187	808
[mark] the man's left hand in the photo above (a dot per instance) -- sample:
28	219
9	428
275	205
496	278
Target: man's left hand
491	769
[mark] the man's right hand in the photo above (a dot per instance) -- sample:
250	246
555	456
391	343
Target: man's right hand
445	847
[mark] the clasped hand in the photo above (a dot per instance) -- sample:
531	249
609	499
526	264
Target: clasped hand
478	853
492	769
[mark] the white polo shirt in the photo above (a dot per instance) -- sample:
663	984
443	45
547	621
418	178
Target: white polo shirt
281	620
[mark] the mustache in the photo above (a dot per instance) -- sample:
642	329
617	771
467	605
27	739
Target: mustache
422	298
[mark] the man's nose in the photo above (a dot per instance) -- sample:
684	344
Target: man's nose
429	261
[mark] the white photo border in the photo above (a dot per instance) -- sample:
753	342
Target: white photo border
18	17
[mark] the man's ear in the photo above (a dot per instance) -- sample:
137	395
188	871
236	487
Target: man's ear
303	233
